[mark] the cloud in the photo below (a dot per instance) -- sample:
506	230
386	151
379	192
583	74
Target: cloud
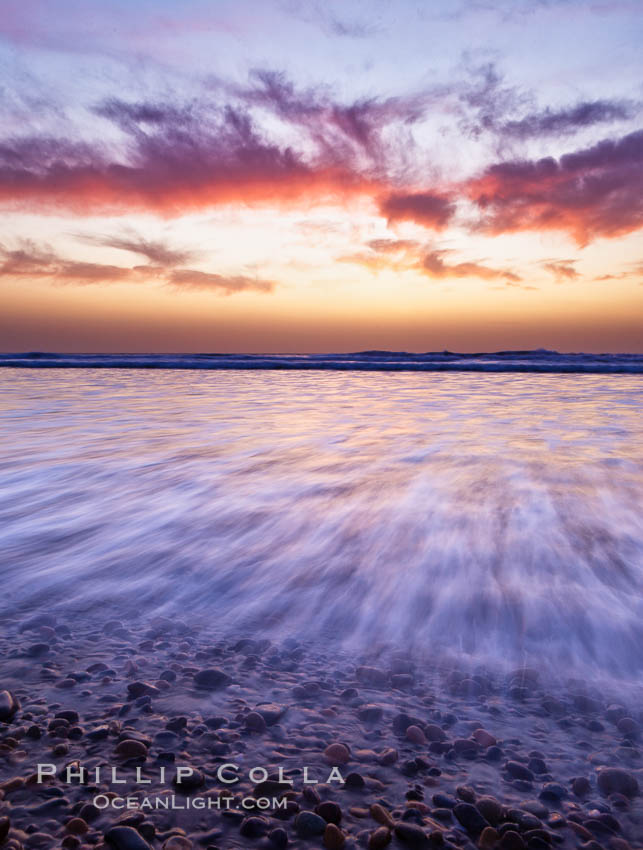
562	269
407	254
596	191
558	122
31	261
171	167
157	252
227	285
434	266
425	208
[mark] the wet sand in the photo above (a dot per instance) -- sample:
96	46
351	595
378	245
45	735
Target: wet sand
430	756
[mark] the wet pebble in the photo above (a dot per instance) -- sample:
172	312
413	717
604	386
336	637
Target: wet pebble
615	779
211	679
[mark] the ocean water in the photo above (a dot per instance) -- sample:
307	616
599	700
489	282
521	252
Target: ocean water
489	517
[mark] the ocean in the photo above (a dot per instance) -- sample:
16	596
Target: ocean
490	517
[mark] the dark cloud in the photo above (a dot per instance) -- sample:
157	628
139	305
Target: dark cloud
597	191
425	208
558	122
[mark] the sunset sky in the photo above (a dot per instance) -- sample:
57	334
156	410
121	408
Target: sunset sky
305	175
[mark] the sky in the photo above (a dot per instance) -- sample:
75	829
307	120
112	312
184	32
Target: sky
299	175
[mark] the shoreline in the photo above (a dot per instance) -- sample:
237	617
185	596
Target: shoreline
427	759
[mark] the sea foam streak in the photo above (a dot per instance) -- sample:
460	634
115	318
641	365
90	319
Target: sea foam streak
493	517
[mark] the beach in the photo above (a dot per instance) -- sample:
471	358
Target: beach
270	610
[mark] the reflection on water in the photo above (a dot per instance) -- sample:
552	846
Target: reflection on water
497	516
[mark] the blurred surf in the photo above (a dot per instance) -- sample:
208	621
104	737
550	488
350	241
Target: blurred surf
489	517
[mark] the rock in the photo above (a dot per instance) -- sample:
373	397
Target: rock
308	825
432	732
271	712
581	786
255	722
488	838
329	811
211	679
77	826
131	749
537	765
190	783
271	788
628	726
5	826
125	838
379	814
615	779
370	713
253	827
371	676
415	735
336	754
387	757
470	818
552	791
141	689
519	771
278	838
354	780
490	809
484	739
177	842
8	706
512	840
380	838
333	837
411	834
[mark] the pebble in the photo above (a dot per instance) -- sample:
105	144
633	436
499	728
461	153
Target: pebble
470	818
482	737
490	809
331	812
333	837
77	826
336	754
8	706
211	679
271	712
519	771
381	837
5	826
387	757
372	676
370	713
255	722
411	834
380	814
140	689
308	825
415	735
253	827
191	782
615	779
129	748
126	838
278	837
